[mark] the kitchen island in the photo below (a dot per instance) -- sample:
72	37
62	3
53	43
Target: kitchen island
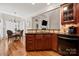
64	44
41	41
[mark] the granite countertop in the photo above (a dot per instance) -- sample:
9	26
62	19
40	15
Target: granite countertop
64	34
76	35
39	33
68	36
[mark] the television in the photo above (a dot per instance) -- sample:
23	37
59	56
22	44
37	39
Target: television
44	23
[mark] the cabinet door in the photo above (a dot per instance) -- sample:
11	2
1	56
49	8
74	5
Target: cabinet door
29	42
68	13
38	42
46	41
77	12
54	42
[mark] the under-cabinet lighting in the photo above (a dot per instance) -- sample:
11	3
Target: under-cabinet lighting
65	8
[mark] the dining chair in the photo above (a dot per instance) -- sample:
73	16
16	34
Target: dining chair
10	34
21	34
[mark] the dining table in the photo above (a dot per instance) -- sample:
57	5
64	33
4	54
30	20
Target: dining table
17	35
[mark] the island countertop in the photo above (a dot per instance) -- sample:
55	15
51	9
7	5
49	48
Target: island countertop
39	33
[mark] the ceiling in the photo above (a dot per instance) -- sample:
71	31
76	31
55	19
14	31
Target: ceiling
23	9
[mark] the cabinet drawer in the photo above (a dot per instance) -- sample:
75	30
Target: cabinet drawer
29	37
29	42
47	36
29	47
39	36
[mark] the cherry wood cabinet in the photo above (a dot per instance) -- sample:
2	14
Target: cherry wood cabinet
65	14
38	42
54	42
77	12
47	41
70	13
30	42
41	41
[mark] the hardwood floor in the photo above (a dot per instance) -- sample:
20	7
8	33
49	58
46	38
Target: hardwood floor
17	48
42	53
3	47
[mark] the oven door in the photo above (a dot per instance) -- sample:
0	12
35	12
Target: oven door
67	45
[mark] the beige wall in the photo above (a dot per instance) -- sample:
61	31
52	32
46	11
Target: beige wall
64	28
54	18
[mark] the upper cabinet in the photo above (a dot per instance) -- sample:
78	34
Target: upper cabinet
69	13
77	12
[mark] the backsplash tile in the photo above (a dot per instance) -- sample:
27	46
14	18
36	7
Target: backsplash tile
64	28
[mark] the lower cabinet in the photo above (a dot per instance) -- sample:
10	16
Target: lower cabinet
41	41
30	42
47	42
54	42
38	42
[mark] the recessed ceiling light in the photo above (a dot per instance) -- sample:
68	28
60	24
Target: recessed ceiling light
33	3
48	3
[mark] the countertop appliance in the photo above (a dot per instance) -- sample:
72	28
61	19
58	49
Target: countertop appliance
72	30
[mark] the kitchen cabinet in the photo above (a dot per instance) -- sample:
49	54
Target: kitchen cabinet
38	42
70	13
77	12
30	42
41	41
54	42
47	41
